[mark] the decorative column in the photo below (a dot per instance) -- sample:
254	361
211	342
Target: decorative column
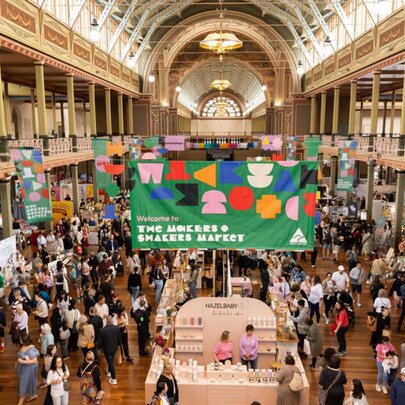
40	85
84	119
392	112
48	224
71	110
92	102
130	117
4	156
375	97
322	121
33	115
95	189
352	107
312	122
360	129
74	173
7	110
5	198
107	93
384	122
335	116
370	189
62	118
399	207
120	115
402	125
54	121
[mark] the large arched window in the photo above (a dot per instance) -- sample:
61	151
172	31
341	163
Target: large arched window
221	107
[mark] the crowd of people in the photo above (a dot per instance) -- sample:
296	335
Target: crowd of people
77	307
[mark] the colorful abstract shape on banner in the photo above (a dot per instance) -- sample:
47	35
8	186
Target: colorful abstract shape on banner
264	205
135	148
104	150
30	172
272	142
347	154
175	142
61	209
312	147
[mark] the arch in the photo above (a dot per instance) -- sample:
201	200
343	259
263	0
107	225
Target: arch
237	22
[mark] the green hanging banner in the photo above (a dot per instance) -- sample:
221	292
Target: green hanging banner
312	147
104	150
229	205
347	160
30	172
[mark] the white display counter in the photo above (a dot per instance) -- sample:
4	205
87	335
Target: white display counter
229	386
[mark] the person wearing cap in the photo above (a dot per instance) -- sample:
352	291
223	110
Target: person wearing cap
86	335
341	279
110	341
397	393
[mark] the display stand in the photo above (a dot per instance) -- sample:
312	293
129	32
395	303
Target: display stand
200	322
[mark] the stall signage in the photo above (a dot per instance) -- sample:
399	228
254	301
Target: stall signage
347	154
231	205
34	189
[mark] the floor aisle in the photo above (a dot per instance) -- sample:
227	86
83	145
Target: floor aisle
358	363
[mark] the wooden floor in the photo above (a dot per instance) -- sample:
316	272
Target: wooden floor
358	363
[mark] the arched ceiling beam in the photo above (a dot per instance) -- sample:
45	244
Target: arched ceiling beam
135	33
268	8
343	18
307	29
300	44
122	24
318	15
105	13
77	9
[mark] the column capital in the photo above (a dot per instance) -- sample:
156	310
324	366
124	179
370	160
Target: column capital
353	81
336	87
91	83
39	63
106	89
313	96
74	164
47	171
324	92
5	180
69	74
399	171
377	72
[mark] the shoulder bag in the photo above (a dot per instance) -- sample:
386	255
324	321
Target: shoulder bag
297	383
66	384
323	394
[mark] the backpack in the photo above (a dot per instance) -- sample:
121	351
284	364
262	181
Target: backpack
297	382
139	316
87	386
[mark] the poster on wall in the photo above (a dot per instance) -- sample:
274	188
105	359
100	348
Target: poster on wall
34	190
264	205
104	150
347	153
61	209
312	147
272	142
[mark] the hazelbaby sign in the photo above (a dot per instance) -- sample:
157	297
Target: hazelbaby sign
231	205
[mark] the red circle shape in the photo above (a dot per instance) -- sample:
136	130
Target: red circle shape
241	198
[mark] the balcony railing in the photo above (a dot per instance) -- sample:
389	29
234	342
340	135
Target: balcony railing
60	145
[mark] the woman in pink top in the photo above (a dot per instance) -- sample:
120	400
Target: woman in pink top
224	348
381	351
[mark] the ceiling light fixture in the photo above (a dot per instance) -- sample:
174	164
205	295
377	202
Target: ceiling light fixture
300	68
131	60
151	78
221	42
178	88
263	86
94	30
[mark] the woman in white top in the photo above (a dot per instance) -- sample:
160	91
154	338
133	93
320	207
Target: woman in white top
102	309
382	301
57	375
72	322
315	297
357	394
22	318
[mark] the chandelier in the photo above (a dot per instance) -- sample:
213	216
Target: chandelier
221	84
221	42
221	105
